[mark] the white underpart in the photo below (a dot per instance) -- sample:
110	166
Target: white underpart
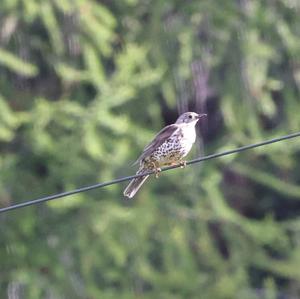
189	136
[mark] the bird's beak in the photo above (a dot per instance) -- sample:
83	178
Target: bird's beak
201	115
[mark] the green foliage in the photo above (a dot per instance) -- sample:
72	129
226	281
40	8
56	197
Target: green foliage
85	85
16	64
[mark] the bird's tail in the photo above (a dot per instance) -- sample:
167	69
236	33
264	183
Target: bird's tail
135	185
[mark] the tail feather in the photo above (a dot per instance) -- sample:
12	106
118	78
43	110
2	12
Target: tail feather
134	186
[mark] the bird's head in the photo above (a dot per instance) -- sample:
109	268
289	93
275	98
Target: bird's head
189	117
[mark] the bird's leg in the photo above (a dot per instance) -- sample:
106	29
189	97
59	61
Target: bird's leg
182	164
157	170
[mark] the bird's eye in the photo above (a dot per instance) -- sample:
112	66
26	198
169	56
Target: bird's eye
190	116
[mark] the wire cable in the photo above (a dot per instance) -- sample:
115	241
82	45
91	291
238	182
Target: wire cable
127	178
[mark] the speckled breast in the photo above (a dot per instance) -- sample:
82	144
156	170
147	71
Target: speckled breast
172	150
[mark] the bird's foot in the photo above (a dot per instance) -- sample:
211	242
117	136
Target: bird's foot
156	169
157	172
182	164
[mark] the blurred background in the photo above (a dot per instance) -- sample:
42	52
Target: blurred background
85	85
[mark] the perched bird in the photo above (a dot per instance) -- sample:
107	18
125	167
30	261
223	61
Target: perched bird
168	147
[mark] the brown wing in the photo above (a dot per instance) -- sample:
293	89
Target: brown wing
158	140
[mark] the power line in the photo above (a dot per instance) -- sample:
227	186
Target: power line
127	178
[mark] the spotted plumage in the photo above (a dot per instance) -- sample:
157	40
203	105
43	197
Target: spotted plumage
168	147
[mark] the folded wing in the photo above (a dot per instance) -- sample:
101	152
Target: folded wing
158	140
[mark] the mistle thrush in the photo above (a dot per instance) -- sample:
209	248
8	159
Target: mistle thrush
168	147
